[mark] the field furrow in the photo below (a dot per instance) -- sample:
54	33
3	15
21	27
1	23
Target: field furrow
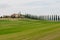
29	30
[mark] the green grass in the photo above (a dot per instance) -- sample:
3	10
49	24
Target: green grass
28	29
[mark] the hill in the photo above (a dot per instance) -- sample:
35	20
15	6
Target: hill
28	29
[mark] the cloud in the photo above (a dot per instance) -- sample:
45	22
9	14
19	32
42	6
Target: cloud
31	6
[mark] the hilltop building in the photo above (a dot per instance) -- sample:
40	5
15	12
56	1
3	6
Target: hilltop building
17	15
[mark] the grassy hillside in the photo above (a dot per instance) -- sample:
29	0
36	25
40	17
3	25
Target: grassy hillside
27	29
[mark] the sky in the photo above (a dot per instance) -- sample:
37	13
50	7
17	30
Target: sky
34	7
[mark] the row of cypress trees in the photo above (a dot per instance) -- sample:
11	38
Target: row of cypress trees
44	17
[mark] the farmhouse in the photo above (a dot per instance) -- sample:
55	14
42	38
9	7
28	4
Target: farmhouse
17	15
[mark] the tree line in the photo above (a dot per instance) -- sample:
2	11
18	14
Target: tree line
47	17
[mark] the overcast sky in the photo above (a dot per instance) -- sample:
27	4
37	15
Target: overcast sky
36	7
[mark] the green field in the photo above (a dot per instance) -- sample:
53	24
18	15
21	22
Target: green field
28	29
